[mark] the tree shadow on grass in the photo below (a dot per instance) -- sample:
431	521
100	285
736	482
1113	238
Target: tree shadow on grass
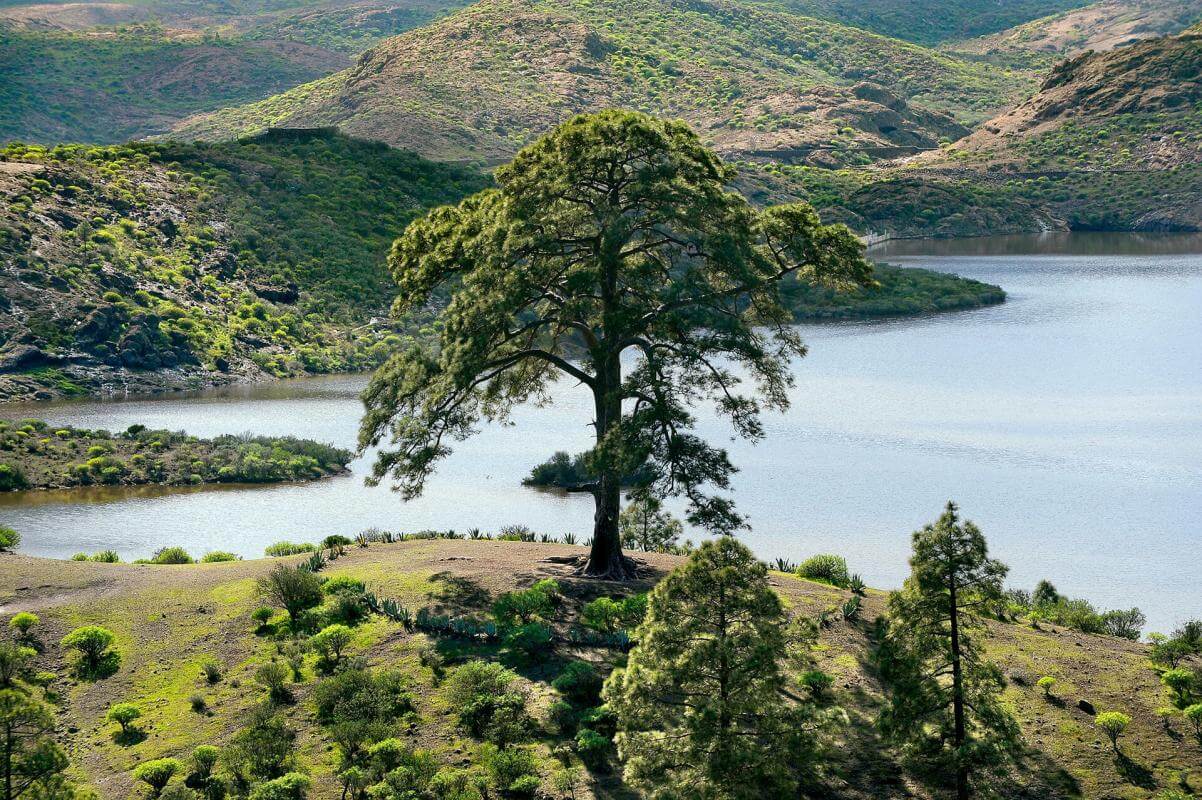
129	737
460	592
1133	772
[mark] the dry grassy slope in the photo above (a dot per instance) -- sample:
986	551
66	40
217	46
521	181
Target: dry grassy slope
169	619
481	82
1098	27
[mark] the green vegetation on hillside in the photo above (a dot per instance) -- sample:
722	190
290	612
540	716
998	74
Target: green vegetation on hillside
35	455
927	22
211	260
753	77
423	652
115	85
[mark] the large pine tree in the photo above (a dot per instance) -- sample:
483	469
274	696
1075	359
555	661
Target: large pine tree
944	704
611	253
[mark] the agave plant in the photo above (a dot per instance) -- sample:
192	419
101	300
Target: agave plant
856	584
315	563
851	608
474	533
569	538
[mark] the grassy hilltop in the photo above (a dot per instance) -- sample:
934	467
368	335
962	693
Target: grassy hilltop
171	620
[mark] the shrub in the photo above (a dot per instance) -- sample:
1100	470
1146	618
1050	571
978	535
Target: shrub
347	608
563	717
362	695
331	642
1193	715
609	616
9	538
92	643
580	683
23	623
261	751
198	703
1046	683
487	701
286	548
1179	682
262	615
171	555
291	588
12	478
817	681
124	715
1045	594
593	749
292	786
511	769
13	661
204	760
107	557
211	670
530	640
216	556
851	608
273	676
342	583
825	568
514	609
1124	624
157	774
335	540
1112	723
856	584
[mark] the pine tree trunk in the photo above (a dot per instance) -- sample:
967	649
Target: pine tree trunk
957	695
605	560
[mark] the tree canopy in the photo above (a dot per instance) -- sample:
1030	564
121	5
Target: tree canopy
611	252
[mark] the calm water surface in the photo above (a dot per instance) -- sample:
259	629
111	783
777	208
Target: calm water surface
1066	422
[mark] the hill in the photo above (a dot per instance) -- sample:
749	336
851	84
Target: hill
110	72
202	614
154	266
1097	27
931	23
752	79
1111	141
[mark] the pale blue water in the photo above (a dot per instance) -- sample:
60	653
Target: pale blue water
1067	423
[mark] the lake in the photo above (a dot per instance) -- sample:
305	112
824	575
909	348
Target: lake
1067	423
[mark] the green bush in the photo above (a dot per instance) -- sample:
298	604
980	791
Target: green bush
361	695
331	643
825	568
157	774
13	661
1046	683
593	749
607	615
530	640
92	643
580	683
477	690
817	681
512	770
273	676
286	548
12	478
124	715
106	557
292	786
22	624
9	538
171	555
1179	682
342	583
216	556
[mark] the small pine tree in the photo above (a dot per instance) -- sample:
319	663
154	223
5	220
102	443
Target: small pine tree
944	701
644	525
700	702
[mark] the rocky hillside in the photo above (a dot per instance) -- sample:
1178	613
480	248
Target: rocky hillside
1112	141
754	79
145	267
